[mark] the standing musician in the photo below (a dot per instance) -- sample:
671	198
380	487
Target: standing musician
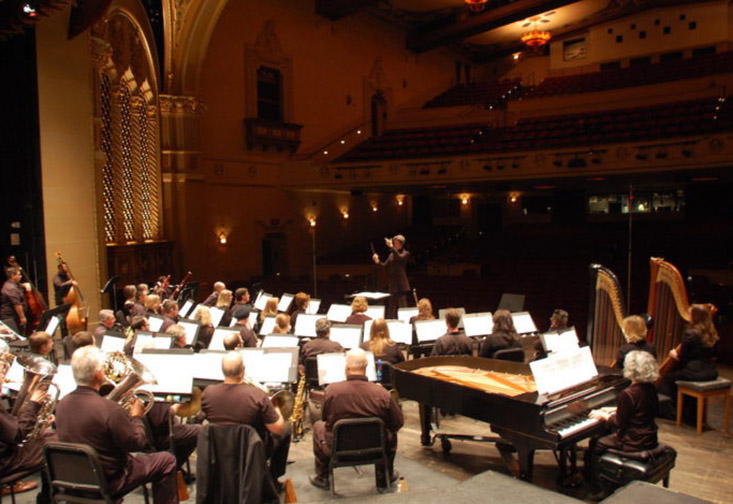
235	402
107	322
83	416
355	398
397	283
170	314
322	343
249	339
13	306
62	284
214	296
454	342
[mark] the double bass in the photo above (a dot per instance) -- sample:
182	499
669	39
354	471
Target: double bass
33	298
76	319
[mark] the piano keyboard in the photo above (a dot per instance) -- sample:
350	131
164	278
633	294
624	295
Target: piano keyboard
573	425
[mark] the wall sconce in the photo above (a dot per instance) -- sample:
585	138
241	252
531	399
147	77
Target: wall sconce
513	197
345	213
400	199
312	221
375	208
465	198
222	237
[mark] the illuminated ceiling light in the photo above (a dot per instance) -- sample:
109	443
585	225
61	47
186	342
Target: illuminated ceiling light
400	199
516	55
536	38
465	198
345	213
375	208
325	153
222	238
312	221
476	5
513	197
343	142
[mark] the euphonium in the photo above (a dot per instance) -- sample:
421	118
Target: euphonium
44	414
126	375
36	370
284	400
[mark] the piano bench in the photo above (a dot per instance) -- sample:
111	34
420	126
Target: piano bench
618	468
701	391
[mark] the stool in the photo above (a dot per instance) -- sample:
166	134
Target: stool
702	391
620	468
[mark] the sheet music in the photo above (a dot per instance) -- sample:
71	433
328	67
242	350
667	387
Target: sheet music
155	322
285	300
195	310
261	300
371	295
560	341
375	312
251	358
338	312
523	323
478	324
207	366
405	314
64	380
332	367
234	321
53	324
462	311
12	333
192	329
429	330
162	342
399	332
14	376
112	343
187	306
305	325
280	341
142	340
216	315
173	372
348	336
217	339
272	367
313	306
268	325
564	370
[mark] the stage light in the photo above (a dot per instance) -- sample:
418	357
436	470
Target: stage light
465	198
345	213
222	239
400	199
312	221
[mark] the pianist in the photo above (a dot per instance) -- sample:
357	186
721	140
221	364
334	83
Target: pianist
454	342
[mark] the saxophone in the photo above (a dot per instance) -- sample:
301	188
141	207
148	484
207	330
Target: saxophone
296	418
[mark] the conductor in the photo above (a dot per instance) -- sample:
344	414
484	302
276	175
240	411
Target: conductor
397	284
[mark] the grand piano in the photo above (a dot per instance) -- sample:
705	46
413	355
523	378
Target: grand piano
503	394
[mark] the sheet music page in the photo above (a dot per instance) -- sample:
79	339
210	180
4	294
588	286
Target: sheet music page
216	315
338	312
251	358
187	306
523	323
173	372
285	301
371	295
348	336
64	380
162	342
405	314
478	324
53	324
429	330
14	377
11	332
332	367
234	321
112	343
217	339
564	370
313	306
367	329
399	332
155	322
261	300
375	312
192	328
195	310
207	366
142	340
272	367
268	325
560	341
280	341
305	325
252	319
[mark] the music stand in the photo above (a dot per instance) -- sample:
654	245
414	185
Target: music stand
109	287
511	302
60	310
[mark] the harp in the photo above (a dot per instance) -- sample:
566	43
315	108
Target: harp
606	311
668	305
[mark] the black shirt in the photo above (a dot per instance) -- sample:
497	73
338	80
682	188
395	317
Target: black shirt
12	294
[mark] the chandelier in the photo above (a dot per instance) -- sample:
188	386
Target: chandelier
476	5
536	38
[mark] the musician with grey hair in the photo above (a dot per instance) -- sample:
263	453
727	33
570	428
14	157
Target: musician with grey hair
107	322
322	343
83	416
178	334
170	314
398	285
214	296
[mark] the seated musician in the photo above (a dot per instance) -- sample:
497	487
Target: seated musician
138	309
178	335
358	308
424	311
454	342
162	287
321	344
354	398
83	416
152	305
237	402
137	323
78	340
169	310
558	322
249	339
633	417
241	298
206	332
381	345
270	309
107	322
282	324
302	300
696	358
224	303
14	456
503	336
233	341
130	293
634	329
214	296
40	343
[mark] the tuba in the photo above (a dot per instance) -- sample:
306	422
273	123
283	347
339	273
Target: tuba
126	375
283	400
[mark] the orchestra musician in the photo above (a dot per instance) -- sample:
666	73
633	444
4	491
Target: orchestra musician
270	309
559	320
282	324
424	311
206	332
162	287
503	335
40	343
634	330
224	303
633	416
381	345
321	344
178	334
152	305
107	322
236	402
233	341
214	296
358	316
241	298
13	305
138	323
138	309
249	339
397	284
170	314
62	283
302	300
453	342
354	398
130	294
83	416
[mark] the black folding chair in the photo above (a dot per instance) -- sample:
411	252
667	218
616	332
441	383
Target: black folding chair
359	441
509	354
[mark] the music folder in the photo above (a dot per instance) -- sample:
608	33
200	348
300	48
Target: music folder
268	324
53	324
305	325
192	330
564	370
347	335
64	380
261	300
375	296
523	323
186	308
313	306
217	339
172	369
478	324
375	312
399	332
338	312
216	315
429	330
113	342
155	322
405	314
560	341
332	367
280	341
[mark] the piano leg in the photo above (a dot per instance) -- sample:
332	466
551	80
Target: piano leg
426	413
525	453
